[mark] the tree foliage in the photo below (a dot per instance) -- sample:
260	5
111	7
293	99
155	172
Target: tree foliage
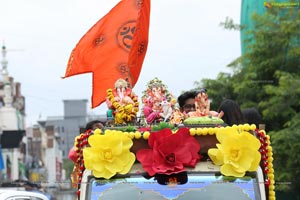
219	89
68	166
268	77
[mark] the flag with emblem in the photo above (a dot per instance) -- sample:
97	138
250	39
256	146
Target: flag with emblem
115	47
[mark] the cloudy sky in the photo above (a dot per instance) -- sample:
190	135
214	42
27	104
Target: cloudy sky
186	44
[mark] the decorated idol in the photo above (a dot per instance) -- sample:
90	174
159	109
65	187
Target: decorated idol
158	102
122	102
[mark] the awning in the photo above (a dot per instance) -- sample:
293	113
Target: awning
11	139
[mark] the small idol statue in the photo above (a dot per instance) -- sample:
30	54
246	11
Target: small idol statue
122	102
158	102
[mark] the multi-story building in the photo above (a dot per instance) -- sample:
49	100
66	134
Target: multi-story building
44	156
42	147
72	123
36	156
259	7
39	149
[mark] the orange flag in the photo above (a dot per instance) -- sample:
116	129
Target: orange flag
115	47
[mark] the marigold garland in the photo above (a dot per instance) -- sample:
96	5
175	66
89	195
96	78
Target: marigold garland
267	159
80	142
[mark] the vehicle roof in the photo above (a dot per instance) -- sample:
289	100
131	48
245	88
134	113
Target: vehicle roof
14	193
204	176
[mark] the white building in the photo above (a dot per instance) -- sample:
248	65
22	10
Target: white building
12	118
44	156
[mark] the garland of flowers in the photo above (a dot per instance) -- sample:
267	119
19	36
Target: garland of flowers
193	131
267	159
265	149
128	116
81	141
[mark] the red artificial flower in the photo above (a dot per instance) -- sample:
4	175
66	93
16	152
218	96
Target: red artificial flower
170	152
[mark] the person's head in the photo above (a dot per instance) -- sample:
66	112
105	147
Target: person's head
252	116
186	101
232	113
92	125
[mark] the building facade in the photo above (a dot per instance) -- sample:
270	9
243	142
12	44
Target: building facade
42	147
72	123
12	124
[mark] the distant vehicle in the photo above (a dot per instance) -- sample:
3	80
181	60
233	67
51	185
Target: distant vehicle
21	195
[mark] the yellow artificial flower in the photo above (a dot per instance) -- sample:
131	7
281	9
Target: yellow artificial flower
237	152
108	154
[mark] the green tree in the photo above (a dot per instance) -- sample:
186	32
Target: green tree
267	77
284	103
68	166
218	89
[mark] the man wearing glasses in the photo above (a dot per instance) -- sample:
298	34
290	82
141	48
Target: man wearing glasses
186	101
187	105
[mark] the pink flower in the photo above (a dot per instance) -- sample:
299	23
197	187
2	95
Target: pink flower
170	152
144	129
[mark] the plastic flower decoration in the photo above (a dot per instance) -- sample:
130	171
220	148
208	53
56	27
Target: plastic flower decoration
237	152
108	154
170	152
